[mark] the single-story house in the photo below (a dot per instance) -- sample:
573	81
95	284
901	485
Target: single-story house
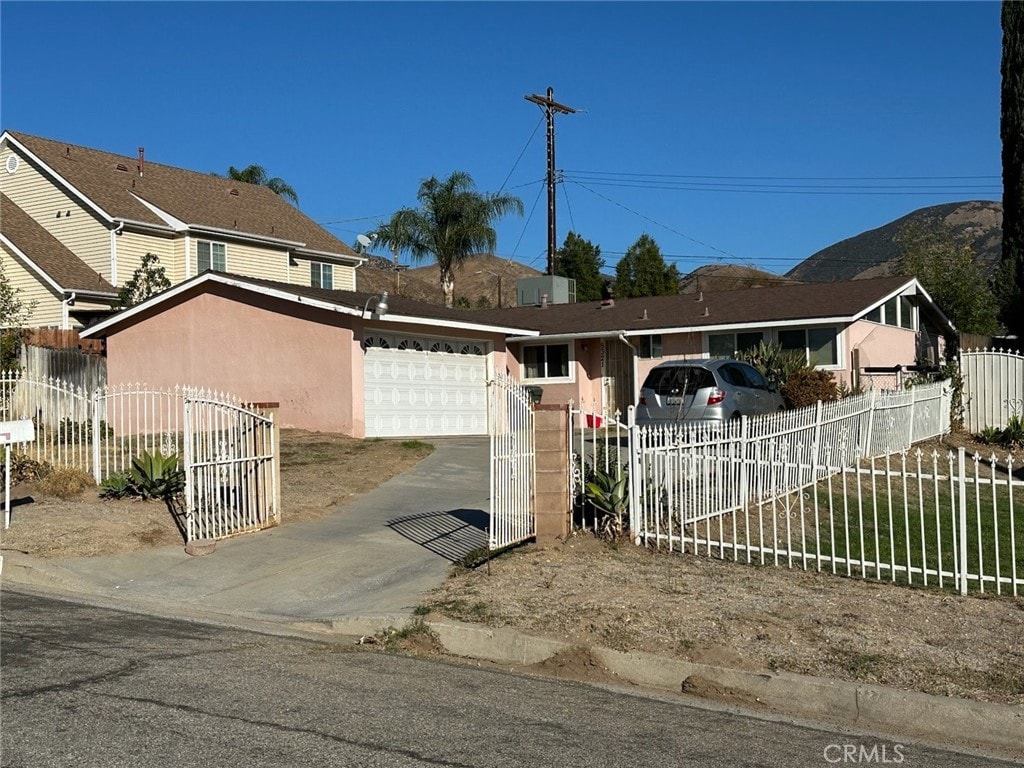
598	353
360	364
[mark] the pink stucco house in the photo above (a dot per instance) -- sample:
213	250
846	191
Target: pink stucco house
340	361
335	361
598	353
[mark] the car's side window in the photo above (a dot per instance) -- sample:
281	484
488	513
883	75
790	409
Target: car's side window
757	381
733	375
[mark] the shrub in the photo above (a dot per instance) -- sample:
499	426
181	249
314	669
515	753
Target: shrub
24	468
117	486
155	476
775	364
64	483
808	386
608	494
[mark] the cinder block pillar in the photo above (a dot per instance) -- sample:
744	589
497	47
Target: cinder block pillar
552	454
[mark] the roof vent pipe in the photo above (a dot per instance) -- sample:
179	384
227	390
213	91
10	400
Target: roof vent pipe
142	159
700	296
706	312
543	301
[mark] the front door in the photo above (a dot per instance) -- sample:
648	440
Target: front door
617	377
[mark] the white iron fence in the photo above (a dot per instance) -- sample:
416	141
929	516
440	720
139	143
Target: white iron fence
928	520
993	387
513	463
598	443
229	451
688	472
798	489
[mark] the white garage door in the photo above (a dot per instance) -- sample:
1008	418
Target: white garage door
416	385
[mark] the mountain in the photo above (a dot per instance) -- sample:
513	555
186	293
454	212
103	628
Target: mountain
874	253
479	278
728	277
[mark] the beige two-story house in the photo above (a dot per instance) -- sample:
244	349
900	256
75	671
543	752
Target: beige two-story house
75	223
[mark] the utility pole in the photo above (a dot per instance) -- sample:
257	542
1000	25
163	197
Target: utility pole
550	108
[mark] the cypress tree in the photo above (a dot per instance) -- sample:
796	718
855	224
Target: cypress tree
1012	132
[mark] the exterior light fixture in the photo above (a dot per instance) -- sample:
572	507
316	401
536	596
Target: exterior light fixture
381	308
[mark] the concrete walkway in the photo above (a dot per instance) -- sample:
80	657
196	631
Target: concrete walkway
365	565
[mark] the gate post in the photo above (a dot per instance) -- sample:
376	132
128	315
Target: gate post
551	502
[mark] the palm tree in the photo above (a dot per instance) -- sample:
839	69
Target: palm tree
453	222
257	174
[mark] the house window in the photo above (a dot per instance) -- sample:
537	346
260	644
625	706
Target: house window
321	275
546	361
897	311
649	347
906	313
210	256
728	344
819	345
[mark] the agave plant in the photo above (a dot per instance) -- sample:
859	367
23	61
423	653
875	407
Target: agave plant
155	476
609	495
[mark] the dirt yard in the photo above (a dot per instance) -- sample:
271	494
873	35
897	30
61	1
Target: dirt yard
589	593
318	472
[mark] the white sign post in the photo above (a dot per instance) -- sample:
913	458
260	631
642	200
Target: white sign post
22	431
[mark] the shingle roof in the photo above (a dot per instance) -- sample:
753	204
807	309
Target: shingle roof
47	252
198	199
750	306
352	300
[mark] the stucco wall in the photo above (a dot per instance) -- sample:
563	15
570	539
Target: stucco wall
301	357
881	345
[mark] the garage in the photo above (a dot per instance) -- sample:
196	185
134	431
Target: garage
420	385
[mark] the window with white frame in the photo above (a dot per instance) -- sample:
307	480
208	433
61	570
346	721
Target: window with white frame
898	311
728	344
321	275
649	347
819	345
210	256
546	361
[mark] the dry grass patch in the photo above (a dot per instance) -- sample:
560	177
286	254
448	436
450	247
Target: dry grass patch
749	617
58	513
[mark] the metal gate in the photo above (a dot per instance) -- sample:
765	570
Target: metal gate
231	480
228	450
513	463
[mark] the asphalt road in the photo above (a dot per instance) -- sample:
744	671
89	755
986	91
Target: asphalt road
85	686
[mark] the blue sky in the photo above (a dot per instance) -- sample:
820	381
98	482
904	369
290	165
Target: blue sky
753	133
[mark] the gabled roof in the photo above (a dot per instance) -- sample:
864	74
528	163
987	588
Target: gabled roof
353	303
798	304
45	254
118	191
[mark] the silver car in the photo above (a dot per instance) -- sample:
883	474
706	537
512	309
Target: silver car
705	390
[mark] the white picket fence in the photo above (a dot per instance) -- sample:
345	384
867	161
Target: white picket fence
698	471
228	450
928	520
993	387
513	463
796	489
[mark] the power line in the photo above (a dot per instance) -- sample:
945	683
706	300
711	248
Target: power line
943	190
784	178
656	223
516	163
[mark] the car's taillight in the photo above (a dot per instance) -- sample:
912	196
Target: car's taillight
643	400
716	396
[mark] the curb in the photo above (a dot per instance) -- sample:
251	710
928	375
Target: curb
936	719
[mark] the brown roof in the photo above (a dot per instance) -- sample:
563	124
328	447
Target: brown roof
397	305
47	252
750	306
198	199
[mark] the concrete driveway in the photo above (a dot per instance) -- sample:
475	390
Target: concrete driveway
367	564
